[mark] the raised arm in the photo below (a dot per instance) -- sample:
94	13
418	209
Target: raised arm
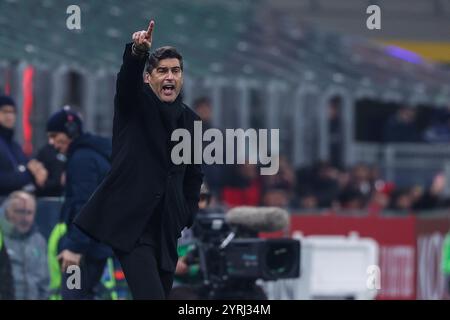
130	76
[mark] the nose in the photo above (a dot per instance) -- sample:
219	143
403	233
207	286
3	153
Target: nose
170	75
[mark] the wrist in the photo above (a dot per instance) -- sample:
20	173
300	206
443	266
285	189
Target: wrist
138	52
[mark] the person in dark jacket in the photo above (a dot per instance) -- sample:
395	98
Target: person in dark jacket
16	170
87	165
146	200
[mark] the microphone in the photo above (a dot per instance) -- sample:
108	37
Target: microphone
259	219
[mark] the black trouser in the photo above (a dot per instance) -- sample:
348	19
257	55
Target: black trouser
91	271
145	279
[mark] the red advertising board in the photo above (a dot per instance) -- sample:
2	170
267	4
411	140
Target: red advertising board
409	245
430	233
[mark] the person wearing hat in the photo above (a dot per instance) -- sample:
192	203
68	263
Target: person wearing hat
87	164
16	170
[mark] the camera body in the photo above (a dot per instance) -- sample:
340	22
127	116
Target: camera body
232	258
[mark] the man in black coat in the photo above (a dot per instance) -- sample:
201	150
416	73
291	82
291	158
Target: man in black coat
146	200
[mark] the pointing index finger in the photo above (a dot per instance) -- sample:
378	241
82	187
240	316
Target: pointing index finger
150	28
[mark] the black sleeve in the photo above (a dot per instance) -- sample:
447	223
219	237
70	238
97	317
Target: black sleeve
129	79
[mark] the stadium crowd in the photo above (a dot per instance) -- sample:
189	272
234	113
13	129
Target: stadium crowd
24	267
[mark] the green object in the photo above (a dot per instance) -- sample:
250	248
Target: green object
111	284
55	269
445	259
53	264
194	269
1	239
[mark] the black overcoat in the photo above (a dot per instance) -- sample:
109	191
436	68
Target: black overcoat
141	169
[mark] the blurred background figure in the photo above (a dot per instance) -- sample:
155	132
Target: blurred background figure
242	185
402	200
213	174
350	199
27	248
202	106
439	131
362	179
320	180
274	197
16	171
87	164
401	127
335	131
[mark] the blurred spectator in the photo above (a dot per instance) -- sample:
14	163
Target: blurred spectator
322	180
213	172
202	106
279	188
16	172
275	198
7	282
401	127
362	179
378	202
87	165
402	200
27	248
284	179
380	198
242	186
54	163
439	132
335	131
433	197
350	199
308	200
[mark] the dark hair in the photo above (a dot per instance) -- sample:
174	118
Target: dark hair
165	52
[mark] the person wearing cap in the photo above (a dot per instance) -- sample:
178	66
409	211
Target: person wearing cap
16	170
146	200
87	164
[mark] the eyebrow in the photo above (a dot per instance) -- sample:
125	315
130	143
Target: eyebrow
164	67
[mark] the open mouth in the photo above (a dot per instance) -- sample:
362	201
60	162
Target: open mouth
168	89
